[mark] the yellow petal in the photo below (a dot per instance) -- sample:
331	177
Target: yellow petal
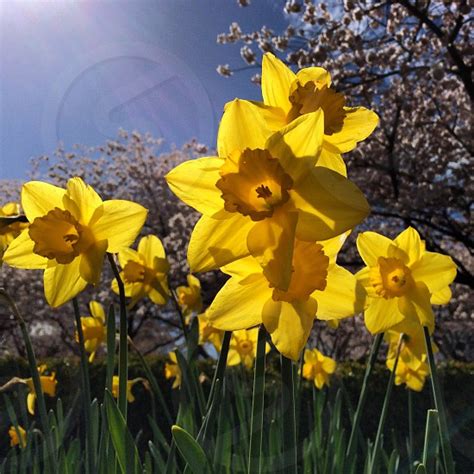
30	402
120	223
358	124
157	296
364	278
20	253
239	306
416	305
276	82
371	246
435	270
271	242
150	247
38	198
289	325
243	268
342	297
97	310
127	254
382	314
275	118
333	161
84	197
315	74
329	205
242	126
409	241
194	182
442	296
63	282
215	243
92	261
332	246
329	365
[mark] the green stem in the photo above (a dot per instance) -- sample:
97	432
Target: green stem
410	430
351	447
181	318
439	404
289	418
256	423
123	343
386	402
90	454
36	380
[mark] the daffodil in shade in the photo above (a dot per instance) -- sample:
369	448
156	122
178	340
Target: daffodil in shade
17	436
172	370
69	233
208	333
243	347
287	96
144	271
262	192
402	280
411	372
11	225
48	385
130	385
318	368
189	297
93	328
318	288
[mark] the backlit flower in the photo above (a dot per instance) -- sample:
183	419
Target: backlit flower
402	279
412	372
317	367
243	347
262	191
10	226
144	271
208	333
318	288
93	328
189	297
130	385
16	440
70	230
48	386
172	370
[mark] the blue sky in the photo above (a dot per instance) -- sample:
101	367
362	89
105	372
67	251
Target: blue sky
77	71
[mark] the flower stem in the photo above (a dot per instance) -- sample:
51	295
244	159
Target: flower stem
256	423
290	456
123	343
181	317
351	447
386	402
410	430
439	404
90	454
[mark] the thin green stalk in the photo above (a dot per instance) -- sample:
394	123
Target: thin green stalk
431	441
290	457
256	423
90	454
411	453
36	381
386	402
439	404
181	317
351	447
123	342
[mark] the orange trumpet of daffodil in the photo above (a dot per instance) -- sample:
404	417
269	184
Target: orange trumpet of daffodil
318	368
402	280
93	328
48	386
144	271
262	192
319	288
69	233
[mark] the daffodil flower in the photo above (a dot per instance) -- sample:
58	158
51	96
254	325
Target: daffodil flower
9	230
130	385
70	230
410	371
172	370
263	191
208	333
243	347
402	279
318	288
93	328
16	440
189	297
144	271
48	386
287	96
317	367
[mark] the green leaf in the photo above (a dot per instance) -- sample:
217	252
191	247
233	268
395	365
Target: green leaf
191	451
125	448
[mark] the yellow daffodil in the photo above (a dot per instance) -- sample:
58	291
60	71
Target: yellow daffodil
130	384
412	372
317	367
93	328
262	191
144	271
70	230
402	279
16	440
287	96
189	297
318	288
208	333
48	385
9	227
243	347
172	370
